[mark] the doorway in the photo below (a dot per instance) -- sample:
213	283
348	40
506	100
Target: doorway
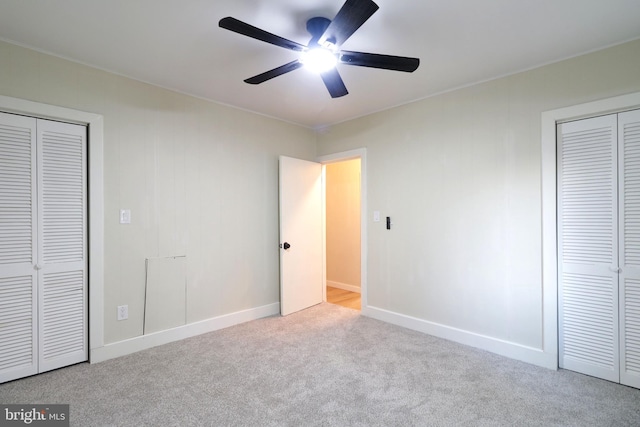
345	229
95	193
43	256
598	262
342	222
549	355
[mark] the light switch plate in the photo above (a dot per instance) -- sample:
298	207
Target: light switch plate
376	216
125	216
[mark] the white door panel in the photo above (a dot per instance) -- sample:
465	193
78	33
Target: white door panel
301	234
62	281
629	148
599	246
587	249
18	317
43	273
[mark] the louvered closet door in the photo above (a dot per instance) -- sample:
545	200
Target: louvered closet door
587	247
18	333
62	282
43	267
629	147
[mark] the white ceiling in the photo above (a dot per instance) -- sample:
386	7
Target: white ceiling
177	44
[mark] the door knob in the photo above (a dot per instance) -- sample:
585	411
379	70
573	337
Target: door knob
286	246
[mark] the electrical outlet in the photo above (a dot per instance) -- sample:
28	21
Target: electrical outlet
123	312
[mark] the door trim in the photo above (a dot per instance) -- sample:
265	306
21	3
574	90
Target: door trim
359	153
549	205
95	195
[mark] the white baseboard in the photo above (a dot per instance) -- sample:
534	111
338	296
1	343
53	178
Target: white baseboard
143	342
535	356
346	287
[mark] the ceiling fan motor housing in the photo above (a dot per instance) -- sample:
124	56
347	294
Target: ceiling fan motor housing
316	27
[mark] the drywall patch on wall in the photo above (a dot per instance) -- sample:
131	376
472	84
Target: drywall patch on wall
165	293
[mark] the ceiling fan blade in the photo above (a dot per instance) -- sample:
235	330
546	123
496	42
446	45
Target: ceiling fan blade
268	75
237	26
350	17
334	83
375	60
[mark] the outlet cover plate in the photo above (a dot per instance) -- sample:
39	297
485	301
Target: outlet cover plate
123	312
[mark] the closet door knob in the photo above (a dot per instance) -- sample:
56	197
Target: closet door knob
38	266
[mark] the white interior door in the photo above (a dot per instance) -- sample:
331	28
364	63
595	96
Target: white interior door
629	148
599	246
587	247
300	234
18	296
43	256
62	254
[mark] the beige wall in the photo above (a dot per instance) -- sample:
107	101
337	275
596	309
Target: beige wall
343	224
459	174
200	180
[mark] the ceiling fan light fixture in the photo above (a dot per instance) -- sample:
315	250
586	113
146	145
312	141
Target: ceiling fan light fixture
319	59
323	51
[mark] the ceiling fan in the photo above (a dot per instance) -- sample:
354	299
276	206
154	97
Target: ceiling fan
323	52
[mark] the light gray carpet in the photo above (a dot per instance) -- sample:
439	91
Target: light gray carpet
325	366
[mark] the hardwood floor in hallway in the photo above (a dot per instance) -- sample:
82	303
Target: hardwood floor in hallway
343	298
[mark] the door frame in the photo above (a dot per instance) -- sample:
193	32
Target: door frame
95	199
549	208
358	153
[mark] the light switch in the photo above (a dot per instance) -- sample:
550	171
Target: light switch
376	216
125	216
